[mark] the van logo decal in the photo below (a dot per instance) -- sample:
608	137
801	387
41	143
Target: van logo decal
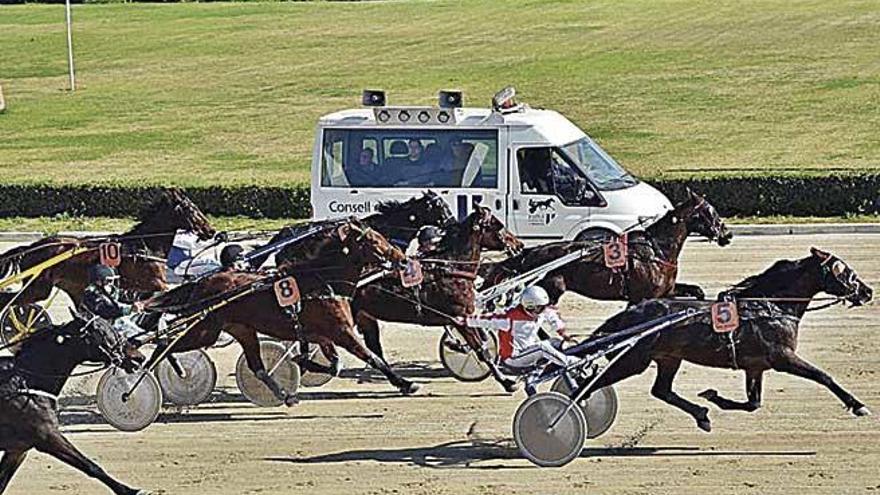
541	211
349	208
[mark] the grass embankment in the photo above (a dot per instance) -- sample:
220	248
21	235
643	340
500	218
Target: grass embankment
228	93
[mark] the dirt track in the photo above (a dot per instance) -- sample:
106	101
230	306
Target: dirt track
455	437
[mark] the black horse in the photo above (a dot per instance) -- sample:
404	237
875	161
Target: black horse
29	386
770	307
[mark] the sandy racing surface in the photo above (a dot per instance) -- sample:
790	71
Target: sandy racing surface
455	437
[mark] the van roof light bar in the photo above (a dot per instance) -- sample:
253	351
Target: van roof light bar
373	98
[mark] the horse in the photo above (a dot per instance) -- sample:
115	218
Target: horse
397	221
769	305
652	259
144	249
29	386
447	292
326	267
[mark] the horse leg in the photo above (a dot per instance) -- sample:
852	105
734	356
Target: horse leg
346	339
662	389
60	448
689	290
9	465
480	344
555	287
250	345
754	385
789	362
369	328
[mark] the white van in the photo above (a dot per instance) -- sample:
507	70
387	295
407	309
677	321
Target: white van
540	174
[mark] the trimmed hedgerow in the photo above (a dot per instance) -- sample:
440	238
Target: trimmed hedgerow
748	196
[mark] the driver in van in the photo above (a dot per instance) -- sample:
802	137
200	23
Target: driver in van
415	152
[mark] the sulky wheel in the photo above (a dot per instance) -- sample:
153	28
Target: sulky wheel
461	361
600	408
280	367
312	378
549	429
196	383
135	412
22	320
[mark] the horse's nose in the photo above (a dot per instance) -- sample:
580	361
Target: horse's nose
867	293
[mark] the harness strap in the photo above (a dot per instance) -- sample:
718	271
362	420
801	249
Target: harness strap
38	393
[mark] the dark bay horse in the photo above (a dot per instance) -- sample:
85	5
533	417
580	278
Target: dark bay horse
397	221
447	291
144	249
770	307
327	267
652	264
29	386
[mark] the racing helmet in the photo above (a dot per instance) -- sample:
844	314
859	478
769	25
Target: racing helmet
534	298
102	274
430	235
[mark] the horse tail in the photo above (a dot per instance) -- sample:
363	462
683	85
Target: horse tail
10	261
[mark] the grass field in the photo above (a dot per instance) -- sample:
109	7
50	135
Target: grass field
230	92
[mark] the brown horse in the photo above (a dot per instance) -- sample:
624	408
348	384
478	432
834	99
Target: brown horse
330	264
652	263
770	307
447	292
144	249
29	386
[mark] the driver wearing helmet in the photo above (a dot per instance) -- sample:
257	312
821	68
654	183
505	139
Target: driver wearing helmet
101	300
426	242
519	331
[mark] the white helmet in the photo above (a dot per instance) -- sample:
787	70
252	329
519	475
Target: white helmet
534	297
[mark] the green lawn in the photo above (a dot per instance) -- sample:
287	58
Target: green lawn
222	93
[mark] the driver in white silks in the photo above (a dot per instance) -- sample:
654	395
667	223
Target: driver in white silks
519	332
184	257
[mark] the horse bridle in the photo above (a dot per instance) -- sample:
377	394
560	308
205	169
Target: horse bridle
827	269
716	225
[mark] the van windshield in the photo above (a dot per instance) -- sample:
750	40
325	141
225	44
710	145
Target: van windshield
605	173
415	158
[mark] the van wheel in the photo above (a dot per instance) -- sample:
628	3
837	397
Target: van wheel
596	234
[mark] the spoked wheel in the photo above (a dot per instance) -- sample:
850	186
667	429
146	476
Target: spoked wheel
547	431
311	378
135	412
461	361
280	367
198	380
19	321
600	409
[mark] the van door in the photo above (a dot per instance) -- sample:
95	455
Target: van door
545	201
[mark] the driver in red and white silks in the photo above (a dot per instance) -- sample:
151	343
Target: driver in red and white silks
520	342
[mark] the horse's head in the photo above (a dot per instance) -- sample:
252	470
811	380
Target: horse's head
365	245
97	341
702	218
172	210
839	279
428	209
493	235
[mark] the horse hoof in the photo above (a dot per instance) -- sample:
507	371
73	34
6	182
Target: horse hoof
509	386
862	411
708	394
705	425
291	401
410	389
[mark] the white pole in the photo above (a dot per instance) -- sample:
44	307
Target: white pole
70	47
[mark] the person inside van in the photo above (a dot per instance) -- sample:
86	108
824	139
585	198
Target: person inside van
536	171
415	152
365	172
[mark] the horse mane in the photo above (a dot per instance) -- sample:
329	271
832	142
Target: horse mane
768	281
456	238
391	206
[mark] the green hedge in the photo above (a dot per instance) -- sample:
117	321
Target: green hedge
749	196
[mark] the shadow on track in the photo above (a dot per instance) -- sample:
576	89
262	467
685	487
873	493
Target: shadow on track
461	454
